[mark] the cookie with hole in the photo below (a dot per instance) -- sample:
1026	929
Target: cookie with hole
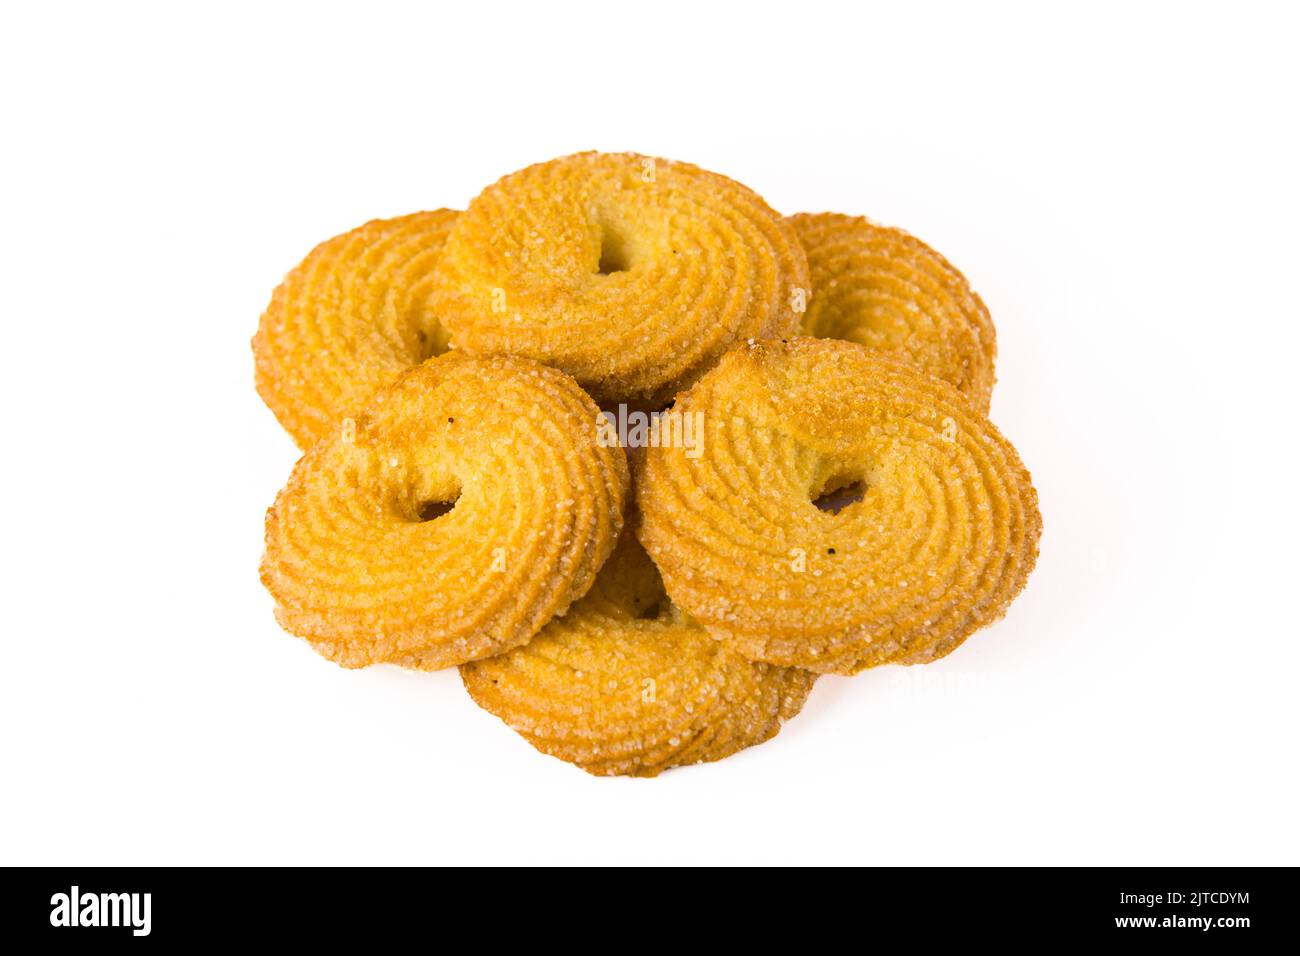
463	509
846	510
347	319
885	289
632	273
626	684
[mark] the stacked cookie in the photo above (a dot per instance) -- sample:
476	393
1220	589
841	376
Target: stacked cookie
637	453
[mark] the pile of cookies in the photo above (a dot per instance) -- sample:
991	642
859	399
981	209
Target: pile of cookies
638	454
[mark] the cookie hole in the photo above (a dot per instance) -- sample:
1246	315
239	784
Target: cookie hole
433	510
651	610
836	497
424	349
613	252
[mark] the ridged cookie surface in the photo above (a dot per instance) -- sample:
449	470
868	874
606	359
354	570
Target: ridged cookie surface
935	531
467	506
633	274
889	291
351	316
624	683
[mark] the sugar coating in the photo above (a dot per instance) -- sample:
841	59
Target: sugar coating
942	539
633	274
625	683
885	289
347	319
528	506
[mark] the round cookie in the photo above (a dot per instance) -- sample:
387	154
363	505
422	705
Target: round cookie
887	290
352	315
633	274
624	683
843	510
467	506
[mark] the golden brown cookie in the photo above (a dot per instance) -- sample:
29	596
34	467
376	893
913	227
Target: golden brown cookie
347	320
631	273
624	683
887	290
467	506
935	531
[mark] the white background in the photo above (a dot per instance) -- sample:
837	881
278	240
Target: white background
1119	183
